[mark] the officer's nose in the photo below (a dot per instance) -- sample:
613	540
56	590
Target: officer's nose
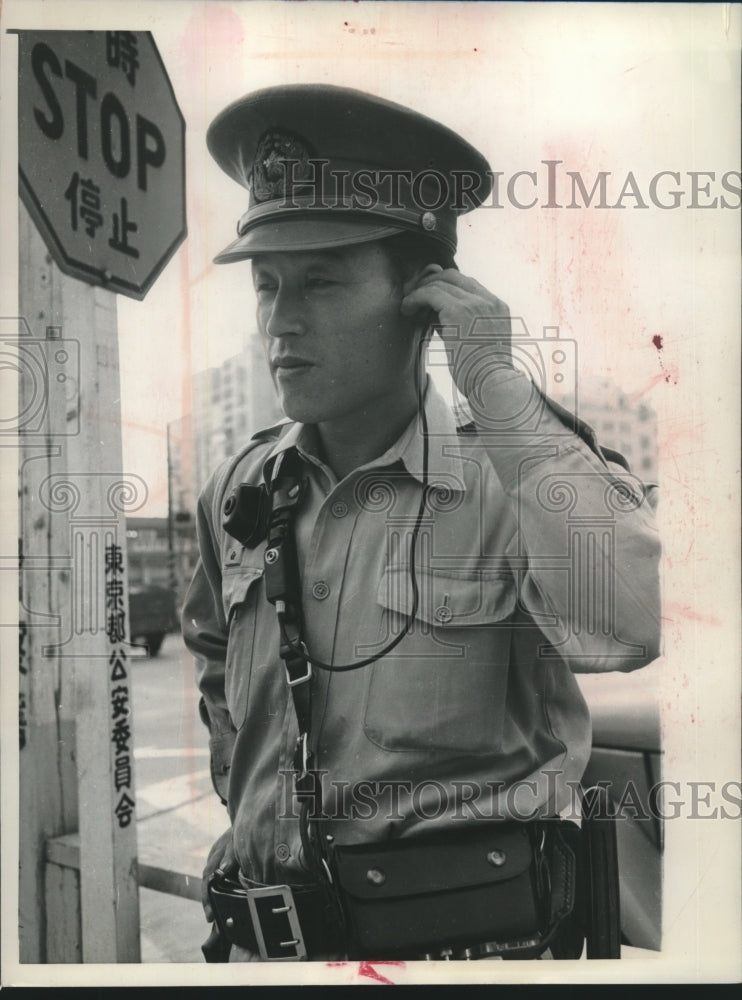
286	314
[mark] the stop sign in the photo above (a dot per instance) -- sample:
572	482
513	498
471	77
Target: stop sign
101	145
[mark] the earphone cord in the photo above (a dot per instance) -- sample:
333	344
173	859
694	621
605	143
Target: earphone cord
342	668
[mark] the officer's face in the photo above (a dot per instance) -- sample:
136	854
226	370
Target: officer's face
337	345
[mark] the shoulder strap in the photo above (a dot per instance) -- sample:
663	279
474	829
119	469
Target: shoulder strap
228	469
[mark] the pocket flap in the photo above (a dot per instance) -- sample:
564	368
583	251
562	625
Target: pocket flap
412	868
236	584
221	748
449	597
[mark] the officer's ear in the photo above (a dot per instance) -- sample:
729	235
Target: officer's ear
425	319
423	272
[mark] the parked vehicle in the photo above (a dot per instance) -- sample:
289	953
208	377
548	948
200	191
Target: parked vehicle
152	615
626	759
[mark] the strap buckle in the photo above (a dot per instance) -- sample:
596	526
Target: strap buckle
276	924
302	678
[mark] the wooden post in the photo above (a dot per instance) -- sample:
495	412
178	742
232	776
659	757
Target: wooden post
76	760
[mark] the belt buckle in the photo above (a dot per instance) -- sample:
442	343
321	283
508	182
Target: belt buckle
276	924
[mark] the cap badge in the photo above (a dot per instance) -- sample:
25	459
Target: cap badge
269	172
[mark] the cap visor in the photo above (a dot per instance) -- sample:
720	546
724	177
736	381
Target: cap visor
302	234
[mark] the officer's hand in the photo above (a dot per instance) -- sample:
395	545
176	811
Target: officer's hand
472	322
222	857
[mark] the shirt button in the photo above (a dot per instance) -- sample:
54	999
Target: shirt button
443	614
320	590
282	852
339	508
233	555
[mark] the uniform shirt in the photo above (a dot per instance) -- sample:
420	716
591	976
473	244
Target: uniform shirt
536	557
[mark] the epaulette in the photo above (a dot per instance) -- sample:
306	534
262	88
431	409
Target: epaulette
265	436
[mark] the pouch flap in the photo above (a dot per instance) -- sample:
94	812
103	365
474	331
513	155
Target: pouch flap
412	868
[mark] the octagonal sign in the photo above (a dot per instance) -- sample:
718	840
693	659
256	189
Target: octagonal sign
101	148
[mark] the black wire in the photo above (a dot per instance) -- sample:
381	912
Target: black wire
343	668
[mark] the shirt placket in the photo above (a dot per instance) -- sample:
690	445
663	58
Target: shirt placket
323	573
325	569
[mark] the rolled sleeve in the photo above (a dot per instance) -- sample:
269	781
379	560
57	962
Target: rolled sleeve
586	546
205	634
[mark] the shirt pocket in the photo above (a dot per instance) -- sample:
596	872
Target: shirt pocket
241	592
443	688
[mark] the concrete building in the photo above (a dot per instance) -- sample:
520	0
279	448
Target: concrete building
621	423
229	404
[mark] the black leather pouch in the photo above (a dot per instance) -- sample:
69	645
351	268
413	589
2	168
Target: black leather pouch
488	884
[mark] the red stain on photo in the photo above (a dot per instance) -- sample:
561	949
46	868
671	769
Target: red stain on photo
367	969
668	375
673	611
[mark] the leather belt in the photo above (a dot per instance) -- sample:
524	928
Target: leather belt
279	922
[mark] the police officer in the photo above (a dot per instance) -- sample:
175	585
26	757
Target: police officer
473	567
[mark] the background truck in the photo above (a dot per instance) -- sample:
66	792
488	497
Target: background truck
152	615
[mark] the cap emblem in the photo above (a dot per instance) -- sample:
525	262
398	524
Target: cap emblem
268	175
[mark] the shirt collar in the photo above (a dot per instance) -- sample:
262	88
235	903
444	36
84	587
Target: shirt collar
445	467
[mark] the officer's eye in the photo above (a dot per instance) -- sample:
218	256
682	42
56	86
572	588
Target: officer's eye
315	281
265	286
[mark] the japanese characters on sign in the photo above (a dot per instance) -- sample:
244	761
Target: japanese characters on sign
101	150
121	52
121	734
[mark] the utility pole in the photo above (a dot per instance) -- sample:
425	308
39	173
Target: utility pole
103	210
